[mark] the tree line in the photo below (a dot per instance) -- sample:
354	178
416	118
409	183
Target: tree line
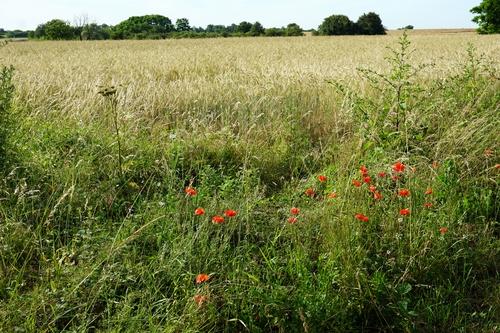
150	27
160	27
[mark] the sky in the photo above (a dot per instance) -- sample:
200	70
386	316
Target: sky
423	14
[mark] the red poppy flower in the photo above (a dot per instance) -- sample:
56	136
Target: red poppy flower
218	219
332	195
443	230
404	192
382	174
200	278
377	196
199	211
497	166
322	178
428	204
292	220
361	217
294	211
372	188
429	191
356	183
367	179
398	167
230	213
364	170
395	178
309	192
404	212
200	299
190	191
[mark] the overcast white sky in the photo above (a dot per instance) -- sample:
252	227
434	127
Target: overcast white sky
27	14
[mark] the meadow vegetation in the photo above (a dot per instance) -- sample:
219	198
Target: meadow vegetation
326	184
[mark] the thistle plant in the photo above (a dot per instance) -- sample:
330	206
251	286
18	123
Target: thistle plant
109	93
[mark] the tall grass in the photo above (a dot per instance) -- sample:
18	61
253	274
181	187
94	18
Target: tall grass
95	240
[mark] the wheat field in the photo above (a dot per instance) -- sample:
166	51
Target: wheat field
178	76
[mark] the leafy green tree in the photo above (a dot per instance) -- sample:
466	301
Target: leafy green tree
337	25
488	16
182	24
274	32
198	29
216	28
141	27
244	27
293	29
58	29
370	24
257	29
39	32
95	31
232	28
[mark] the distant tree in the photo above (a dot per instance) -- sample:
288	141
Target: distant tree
370	24
182	24
79	24
257	29
244	27
408	27
232	28
17	34
58	29
274	32
94	31
40	32
293	29
198	29
216	28
141	27
337	25
488	17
